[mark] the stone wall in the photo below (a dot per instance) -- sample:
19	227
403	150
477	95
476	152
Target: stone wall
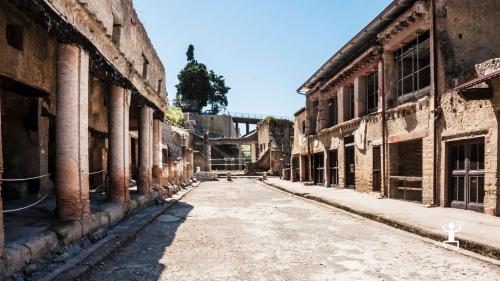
33	64
464	119
299	145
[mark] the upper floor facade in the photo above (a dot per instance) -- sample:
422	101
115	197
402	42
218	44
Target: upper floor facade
412	50
119	48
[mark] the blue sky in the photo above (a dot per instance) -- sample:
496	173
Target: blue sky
264	48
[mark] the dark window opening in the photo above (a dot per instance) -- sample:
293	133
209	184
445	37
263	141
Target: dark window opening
372	92
145	67
164	156
349	112
303	127
332	112
160	81
15	36
413	68
466	188
117	30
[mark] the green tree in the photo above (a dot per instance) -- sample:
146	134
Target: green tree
174	115
218	97
190	53
198	84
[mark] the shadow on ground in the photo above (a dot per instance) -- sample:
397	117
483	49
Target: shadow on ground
142	259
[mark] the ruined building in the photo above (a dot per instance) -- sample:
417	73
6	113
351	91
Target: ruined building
274	138
82	99
402	111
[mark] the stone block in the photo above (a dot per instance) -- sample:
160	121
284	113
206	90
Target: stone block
68	232
18	256
141	201
154	194
91	224
116	213
98	234
42	244
104	218
207	176
131	206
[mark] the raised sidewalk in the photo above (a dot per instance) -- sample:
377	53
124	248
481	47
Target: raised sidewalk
480	233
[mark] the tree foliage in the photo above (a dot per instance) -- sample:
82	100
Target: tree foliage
218	97
174	115
196	83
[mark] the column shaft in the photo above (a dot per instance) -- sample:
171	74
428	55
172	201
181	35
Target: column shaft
72	167
326	169
145	168
157	145
118	167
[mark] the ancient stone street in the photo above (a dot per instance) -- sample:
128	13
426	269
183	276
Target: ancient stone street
246	231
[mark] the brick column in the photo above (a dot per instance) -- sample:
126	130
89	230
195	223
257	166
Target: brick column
302	169
342	103
72	163
157	145
145	147
322	114
118	163
380	83
390	81
359	96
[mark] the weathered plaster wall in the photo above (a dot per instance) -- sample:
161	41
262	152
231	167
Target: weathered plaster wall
467	34
467	119
134	41
35	64
299	140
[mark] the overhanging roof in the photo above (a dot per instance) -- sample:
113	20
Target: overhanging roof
477	81
358	44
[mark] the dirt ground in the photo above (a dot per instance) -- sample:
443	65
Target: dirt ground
245	231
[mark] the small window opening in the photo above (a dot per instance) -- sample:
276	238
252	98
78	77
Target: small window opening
349	111
160	81
15	36
332	112
117	30
372	92
145	67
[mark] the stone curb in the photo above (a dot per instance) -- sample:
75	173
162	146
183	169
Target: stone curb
466	244
105	250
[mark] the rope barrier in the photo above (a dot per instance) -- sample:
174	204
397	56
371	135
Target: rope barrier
25	179
97	188
46	195
26	207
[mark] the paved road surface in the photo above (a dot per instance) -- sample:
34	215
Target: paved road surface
244	231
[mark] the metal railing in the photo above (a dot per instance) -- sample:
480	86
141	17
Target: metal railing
229	164
257	116
187	105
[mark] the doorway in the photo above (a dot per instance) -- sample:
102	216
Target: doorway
466	185
334	167
377	171
318	167
349	162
